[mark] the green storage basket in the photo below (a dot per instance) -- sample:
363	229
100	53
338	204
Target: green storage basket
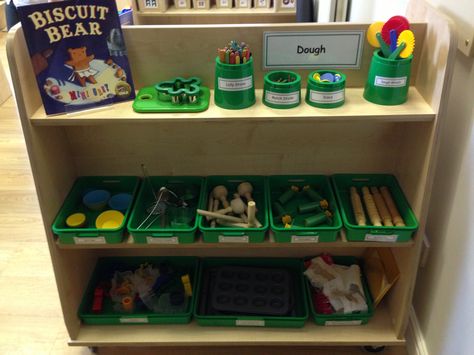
282	89
172	234
325	94
104	271
223	234
300	233
296	268
354	232
342	319
89	234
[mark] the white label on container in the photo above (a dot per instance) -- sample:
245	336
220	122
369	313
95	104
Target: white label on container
288	4
381	238
343	322
134	320
262	3
282	99
151	4
235	84
224	3
322	97
243	3
201	4
390	82
226	239
249	323
160	240
181	3
87	240
305	238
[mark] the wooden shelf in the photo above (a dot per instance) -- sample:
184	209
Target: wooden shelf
356	108
173	11
267	244
378	331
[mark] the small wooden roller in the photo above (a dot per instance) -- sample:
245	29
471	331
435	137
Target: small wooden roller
245	189
371	207
220	194
359	214
397	219
381	207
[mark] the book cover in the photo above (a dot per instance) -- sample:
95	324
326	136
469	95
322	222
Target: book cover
78	54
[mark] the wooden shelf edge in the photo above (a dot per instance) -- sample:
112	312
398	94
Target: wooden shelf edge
416	109
378	331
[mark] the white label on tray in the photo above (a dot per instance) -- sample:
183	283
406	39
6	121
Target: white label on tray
390	82
160	240
282	99
262	3
151	4
226	239
323	97
288	4
201	4
249	323
134	320
224	3
305	238
87	240
181	3
381	238
243	3
235	84
343	322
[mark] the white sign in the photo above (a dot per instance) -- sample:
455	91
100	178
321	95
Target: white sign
282	99
323	97
226	239
307	50
381	238
343	322
235	84
390	82
134	320
161	240
249	323
88	240
304	238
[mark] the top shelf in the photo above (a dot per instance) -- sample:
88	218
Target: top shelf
173	11
356	108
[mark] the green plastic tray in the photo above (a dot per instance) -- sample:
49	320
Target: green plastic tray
342	319
73	203
153	104
222	234
171	234
299	233
104	271
342	184
295	266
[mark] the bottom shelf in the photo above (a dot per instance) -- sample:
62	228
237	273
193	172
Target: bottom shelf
378	331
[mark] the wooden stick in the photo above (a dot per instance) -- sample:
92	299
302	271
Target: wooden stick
381	207
371	208
397	219
219	216
224	210
359	214
210	204
251	208
231	224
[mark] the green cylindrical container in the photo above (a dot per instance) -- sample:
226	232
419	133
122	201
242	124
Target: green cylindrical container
325	94
282	89
234	86
388	80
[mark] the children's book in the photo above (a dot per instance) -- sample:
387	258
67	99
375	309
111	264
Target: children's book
78	54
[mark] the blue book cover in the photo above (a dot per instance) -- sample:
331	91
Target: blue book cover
78	54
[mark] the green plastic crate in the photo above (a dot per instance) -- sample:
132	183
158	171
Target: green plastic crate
89	234
104	271
296	268
299	233
354	232
342	319
170	234
223	234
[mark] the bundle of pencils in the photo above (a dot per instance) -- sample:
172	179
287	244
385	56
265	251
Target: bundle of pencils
234	53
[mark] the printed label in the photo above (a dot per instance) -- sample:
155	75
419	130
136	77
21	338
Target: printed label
343	322
134	320
235	84
225	239
262	3
160	240
181	3
224	3
249	323
282	99
243	3
390	82
289	4
151	4
381	238
86	240
305	238
321	97
201	4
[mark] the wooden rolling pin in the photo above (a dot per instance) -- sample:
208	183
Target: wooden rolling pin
371	208
396	218
381	207
219	216
359	214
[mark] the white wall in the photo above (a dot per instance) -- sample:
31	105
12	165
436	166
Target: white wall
444	294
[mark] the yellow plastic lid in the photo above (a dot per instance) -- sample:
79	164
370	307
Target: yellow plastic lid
76	220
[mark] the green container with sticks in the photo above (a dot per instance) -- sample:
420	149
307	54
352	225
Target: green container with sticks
282	89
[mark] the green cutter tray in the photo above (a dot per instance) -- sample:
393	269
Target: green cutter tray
176	95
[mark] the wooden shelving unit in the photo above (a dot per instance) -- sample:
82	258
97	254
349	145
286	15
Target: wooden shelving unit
358	137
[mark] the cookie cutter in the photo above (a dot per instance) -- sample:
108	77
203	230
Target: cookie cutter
179	90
